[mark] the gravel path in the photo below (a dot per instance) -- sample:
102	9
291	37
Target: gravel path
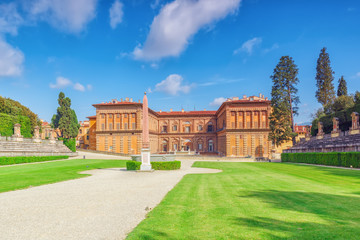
106	205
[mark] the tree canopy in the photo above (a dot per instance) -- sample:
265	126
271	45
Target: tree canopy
325	92
342	87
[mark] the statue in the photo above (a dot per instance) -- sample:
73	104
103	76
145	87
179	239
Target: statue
355	123
320	134
335	132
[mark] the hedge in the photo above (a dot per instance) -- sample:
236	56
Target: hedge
7	123
17	160
342	159
169	165
70	143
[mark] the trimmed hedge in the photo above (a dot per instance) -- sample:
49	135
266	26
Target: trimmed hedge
133	165
17	160
342	159
70	143
170	165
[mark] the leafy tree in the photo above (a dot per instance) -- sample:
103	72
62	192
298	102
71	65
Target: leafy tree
325	92
342	88
357	97
65	119
284	101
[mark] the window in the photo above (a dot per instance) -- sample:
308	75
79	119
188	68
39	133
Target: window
133	125
110	115
133	115
118	126
87	137
103	126
125	115
80	131
175	128
186	122
211	146
117	115
210	128
233	125
232	113
164	129
175	147
200	146
126	126
187	129
110	126
200	127
103	116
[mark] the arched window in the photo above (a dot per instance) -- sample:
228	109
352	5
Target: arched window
210	127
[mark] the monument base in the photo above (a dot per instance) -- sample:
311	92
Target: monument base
145	160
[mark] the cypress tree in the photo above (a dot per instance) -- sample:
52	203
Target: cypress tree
284	101
342	88
325	92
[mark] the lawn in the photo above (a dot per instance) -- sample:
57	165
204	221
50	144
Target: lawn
22	176
258	201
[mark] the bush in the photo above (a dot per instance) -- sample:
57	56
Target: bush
70	143
170	165
342	159
17	160
133	165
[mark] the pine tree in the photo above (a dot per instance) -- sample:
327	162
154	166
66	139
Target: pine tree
65	119
342	88
284	101
325	92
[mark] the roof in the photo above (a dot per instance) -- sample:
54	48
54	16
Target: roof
91	117
185	113
116	103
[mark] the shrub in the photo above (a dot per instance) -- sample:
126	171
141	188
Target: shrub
70	143
343	159
17	160
133	165
170	165
7	123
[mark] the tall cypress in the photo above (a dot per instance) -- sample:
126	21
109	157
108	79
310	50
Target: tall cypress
284	101
325	92
342	88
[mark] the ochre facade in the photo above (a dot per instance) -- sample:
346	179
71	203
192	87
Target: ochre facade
239	128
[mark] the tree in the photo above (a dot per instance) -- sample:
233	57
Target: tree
325	92
65	119
284	101
357	97
342	88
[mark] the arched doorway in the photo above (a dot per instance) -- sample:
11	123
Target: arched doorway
164	146
211	145
187	145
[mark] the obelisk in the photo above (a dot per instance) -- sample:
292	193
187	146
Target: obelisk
145	150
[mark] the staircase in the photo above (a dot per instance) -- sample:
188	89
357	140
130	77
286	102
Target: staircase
30	148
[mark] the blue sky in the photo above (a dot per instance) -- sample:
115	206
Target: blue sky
187	54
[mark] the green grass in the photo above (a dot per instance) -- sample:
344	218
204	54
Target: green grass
22	176
258	201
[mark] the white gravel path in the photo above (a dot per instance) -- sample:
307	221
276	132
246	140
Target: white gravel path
106	205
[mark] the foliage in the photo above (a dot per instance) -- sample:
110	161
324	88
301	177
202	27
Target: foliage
342	88
284	101
65	119
285	201
166	165
325	92
15	112
357	97
7	123
343	102
133	165
70	143
17	160
343	159
25	175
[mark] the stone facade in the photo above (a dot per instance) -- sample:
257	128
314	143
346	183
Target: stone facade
239	128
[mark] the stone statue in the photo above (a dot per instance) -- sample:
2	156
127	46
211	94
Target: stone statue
17	133
320	134
355	129
36	137
145	150
335	132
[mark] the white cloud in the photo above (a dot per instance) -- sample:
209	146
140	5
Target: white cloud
89	87
116	14
357	74
155	4
10	19
11	60
61	82
177	22
273	47
217	102
79	87
68	15
249	45
154	65
173	85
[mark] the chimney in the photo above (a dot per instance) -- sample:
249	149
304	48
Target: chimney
131	100
121	100
139	101
244	96
160	111
204	109
182	110
170	109
266	98
235	98
127	99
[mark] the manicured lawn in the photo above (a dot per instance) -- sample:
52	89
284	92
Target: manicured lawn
22	176
258	201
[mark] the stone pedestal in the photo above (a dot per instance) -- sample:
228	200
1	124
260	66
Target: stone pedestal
355	129
17	134
336	131
145	160
52	139
320	134
36	137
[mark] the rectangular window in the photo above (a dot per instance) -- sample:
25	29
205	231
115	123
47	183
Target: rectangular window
210	128
110	126
164	130
233	125
118	115
187	129
126	126
103	116
133	125
118	126
87	137
175	147
200	128
175	128
102	126
125	115
133	115
200	146
232	113
110	115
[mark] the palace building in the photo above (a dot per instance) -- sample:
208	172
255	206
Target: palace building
239	128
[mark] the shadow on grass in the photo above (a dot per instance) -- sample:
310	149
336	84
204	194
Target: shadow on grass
150	234
339	212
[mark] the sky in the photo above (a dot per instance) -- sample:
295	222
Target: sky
190	54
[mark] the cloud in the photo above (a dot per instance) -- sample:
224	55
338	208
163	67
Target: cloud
249	45
357	74
273	47
10	20
11	60
217	102
177	22
173	85
155	4
116	14
89	87
68	15
154	65
219	81
62	82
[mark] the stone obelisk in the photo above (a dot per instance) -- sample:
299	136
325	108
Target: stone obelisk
145	150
